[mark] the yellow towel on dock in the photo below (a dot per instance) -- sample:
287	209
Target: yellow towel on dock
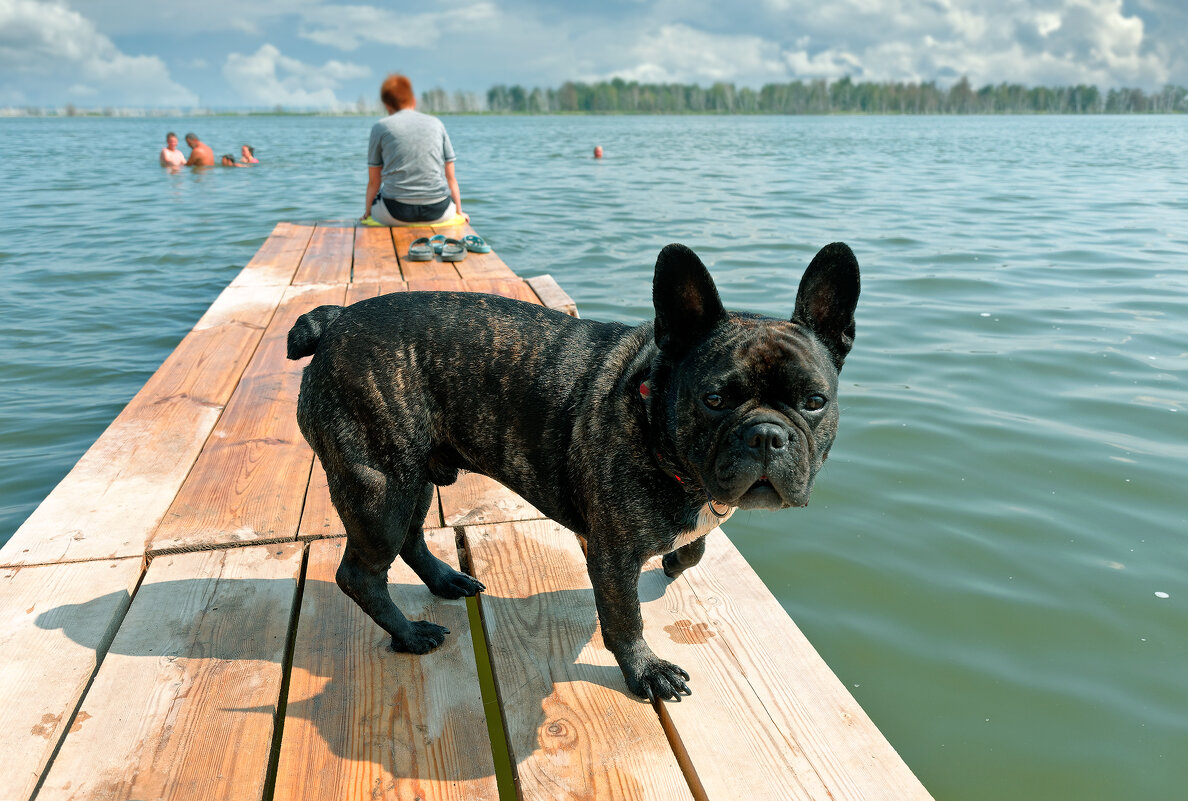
457	219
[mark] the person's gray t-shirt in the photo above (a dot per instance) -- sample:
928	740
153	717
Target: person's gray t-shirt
412	148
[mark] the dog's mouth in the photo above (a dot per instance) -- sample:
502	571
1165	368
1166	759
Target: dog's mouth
762	495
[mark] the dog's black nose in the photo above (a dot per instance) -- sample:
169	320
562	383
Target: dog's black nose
765	437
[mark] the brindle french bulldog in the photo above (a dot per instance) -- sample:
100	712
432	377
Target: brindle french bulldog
639	439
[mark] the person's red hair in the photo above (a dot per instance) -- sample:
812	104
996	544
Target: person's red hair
396	92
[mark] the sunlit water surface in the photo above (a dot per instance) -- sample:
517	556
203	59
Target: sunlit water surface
984	555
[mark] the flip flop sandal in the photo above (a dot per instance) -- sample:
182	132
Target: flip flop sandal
476	244
436	242
370	221
453	250
420	250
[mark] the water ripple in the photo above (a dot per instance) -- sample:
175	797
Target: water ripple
980	558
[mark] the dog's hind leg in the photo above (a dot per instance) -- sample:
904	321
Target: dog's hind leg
376	511
441	579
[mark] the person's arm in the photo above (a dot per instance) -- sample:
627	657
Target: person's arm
374	178
455	193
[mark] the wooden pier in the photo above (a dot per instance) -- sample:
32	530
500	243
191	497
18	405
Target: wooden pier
170	627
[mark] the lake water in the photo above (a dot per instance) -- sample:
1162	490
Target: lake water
994	561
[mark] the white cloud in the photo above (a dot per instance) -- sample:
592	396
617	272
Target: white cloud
154	17
46	44
680	53
348	27
1023	41
829	64
1064	42
990	41
274	51
269	78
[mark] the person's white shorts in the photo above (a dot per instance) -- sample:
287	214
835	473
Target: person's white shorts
379	213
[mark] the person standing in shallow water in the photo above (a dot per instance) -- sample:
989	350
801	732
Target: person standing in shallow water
200	153
410	163
170	155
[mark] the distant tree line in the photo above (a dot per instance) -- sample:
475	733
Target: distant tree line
812	97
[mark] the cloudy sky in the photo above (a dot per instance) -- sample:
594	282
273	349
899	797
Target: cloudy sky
318	54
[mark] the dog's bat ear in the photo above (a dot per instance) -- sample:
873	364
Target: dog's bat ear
686	300
827	297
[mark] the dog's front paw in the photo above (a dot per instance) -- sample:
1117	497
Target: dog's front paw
422	638
457	585
672	565
657	678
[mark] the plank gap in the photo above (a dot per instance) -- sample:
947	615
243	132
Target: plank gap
203	547
680	752
506	775
505	771
282	704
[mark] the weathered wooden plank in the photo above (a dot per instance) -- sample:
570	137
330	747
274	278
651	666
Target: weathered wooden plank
184	703
363	290
363	722
249	482
318	517
422	271
113	499
276	261
475	499
434	270
436	285
475	265
370	289
55	624
763	699
482	265
516	288
375	255
573	728
552	295
723	722
328	258
508	288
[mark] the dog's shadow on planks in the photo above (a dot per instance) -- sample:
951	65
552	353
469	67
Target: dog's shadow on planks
351	697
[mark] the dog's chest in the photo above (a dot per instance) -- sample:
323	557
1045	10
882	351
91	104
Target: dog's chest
707	521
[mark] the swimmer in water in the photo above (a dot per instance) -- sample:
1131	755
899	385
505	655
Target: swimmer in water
170	155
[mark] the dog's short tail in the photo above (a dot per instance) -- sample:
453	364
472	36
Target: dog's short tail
305	333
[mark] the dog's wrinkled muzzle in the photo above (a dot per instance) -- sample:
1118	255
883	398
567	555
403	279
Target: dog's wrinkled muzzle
767	466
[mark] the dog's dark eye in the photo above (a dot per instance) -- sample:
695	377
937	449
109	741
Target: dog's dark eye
815	403
713	400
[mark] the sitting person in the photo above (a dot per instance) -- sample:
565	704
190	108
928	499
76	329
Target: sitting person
170	155
410	163
248	155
